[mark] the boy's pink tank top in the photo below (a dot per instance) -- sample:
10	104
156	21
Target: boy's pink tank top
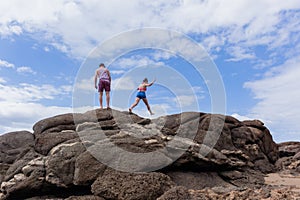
102	75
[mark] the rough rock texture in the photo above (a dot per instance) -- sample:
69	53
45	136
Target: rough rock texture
121	185
249	193
176	193
108	154
11	146
289	160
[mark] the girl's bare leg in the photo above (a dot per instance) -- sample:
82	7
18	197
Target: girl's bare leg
137	100
148	107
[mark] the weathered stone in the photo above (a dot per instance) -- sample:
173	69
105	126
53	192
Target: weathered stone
46	141
87	169
3	169
17	166
60	165
120	185
22	186
288	148
85	197
75	155
176	193
255	123
196	180
144	121
14	143
42	125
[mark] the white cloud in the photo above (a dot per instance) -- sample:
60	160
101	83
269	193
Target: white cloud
199	91
135	61
123	83
117	72
4	63
239	54
29	93
70	25
213	42
185	100
22	116
20	107
86	84
47	49
240	117
158	55
2	80
277	96
24	70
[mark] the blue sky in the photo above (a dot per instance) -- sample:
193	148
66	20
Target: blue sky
255	45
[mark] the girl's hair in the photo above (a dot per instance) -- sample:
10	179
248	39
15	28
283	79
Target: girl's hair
101	64
145	80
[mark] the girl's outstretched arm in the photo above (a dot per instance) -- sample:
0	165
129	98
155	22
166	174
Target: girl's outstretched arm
151	82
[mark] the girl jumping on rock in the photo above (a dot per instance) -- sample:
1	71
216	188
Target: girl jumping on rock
142	95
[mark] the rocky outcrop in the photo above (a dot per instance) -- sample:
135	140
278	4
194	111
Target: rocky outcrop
122	185
108	154
289	161
12	146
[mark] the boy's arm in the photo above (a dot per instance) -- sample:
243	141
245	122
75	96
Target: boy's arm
108	73
95	80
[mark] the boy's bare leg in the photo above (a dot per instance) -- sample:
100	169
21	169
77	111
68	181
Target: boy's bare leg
101	99
107	99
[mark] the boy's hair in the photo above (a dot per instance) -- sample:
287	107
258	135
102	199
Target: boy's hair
145	80
101	64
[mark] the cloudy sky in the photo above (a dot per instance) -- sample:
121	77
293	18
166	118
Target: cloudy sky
254	45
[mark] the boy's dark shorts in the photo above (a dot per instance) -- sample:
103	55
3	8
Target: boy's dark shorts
104	85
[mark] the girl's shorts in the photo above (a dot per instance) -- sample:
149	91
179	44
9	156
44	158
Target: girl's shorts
141	95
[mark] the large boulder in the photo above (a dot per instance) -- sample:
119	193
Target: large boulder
12	145
108	154
287	149
52	131
20	162
87	169
60	164
46	141
30	181
289	157
121	185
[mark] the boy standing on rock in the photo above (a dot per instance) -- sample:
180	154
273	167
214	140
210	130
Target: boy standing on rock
104	77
